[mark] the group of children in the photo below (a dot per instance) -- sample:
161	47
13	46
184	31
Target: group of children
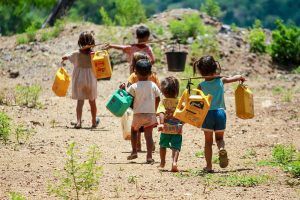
154	101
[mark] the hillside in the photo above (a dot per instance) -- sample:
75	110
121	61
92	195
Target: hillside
28	168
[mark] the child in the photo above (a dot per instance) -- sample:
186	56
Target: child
146	95
84	82
133	79
166	109
215	120
142	34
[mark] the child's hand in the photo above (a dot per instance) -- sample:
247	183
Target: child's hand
122	86
160	127
106	46
242	78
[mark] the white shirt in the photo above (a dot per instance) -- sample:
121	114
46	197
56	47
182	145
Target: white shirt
144	93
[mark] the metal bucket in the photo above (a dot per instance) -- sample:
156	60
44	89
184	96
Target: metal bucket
176	59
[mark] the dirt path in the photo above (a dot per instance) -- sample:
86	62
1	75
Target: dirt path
30	168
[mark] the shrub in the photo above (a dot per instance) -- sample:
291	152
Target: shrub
5	128
285	46
189	26
22	39
297	70
22	134
294	168
212	8
54	31
28	95
78	178
257	39
105	17
129	12
283	154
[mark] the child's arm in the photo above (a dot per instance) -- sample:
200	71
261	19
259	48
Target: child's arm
157	100
233	79
115	46
161	121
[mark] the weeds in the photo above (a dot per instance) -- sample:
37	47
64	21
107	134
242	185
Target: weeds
132	179
22	134
5	127
288	95
277	90
78	179
257	39
215	160
250	153
199	154
22	39
28	95
286	157
16	196
296	70
53	32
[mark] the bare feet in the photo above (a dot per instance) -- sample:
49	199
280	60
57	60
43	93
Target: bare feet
174	167
208	170
223	158
162	165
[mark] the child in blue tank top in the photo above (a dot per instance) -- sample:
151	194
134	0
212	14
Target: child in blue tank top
215	121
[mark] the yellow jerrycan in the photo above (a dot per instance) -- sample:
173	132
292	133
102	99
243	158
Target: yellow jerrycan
192	109
244	102
101	64
61	82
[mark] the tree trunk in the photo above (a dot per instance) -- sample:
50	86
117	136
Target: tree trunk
58	11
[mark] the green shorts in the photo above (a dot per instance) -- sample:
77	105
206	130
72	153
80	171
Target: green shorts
170	141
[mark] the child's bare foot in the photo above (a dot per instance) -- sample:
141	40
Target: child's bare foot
77	125
132	156
150	161
208	170
174	167
223	158
162	165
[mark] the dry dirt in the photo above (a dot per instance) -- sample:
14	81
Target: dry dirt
30	167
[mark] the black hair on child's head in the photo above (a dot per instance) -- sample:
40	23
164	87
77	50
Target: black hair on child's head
138	56
142	32
207	65
86	38
143	67
170	87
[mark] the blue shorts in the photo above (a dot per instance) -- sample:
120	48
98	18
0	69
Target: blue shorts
215	120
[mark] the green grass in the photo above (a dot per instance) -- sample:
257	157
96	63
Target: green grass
16	196
199	154
132	179
250	153
5	126
277	90
286	157
28	95
296	70
22	39
288	96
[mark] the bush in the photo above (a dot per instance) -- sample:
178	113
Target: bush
283	154
4	127
212	8
285	46
78	178
189	26
105	17
54	31
28	95
22	39
257	39
129	12
293	168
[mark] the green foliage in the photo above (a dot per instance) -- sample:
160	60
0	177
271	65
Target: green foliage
22	134
234	27
285	47
278	90
212	8
297	70
105	17
132	179
5	128
250	153
28	95
257	38
235	180
129	12
78	178
16	196
199	154
288	95
22	39
189	26
54	31
285	156
17	16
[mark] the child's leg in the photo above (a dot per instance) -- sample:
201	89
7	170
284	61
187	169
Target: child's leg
149	141
208	149
223	158
93	111
162	152
175	155
220	140
133	145
79	107
139	141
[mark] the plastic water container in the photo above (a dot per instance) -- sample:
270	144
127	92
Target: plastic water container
126	122
61	82
101	64
119	102
192	109
244	103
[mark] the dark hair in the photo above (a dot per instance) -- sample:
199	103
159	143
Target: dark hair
170	87
86	38
207	65
143	67
142	32
138	56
